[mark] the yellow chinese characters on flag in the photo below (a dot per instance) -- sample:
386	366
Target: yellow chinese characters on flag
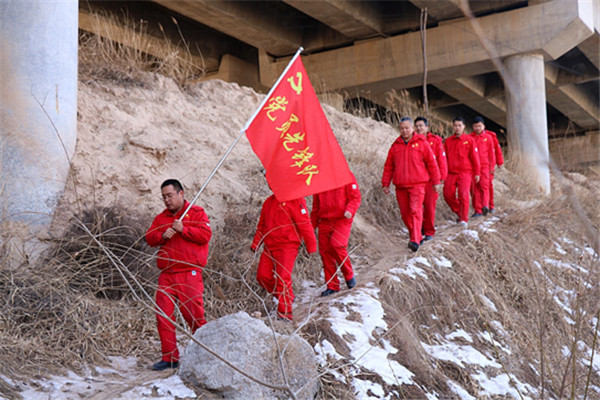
294	141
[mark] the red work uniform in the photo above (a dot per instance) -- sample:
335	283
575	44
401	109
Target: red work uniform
281	228
334	230
180	260
463	165
499	162
431	196
480	191
411	166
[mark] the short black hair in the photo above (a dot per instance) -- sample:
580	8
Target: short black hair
173	182
404	119
461	119
422	119
477	119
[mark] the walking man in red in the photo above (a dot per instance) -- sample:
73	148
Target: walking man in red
463	168
479	125
431	196
182	255
487	160
332	214
410	165
281	228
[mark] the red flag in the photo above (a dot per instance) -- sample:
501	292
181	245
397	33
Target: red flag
294	141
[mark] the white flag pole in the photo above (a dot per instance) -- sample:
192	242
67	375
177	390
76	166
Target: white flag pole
237	139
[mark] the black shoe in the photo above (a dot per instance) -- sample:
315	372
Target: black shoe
413	246
351	283
477	215
485	211
427	238
162	365
328	292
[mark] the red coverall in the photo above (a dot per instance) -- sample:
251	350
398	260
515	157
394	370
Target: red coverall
281	228
487	160
499	162
180	260
410	166
334	230
431	196
463	165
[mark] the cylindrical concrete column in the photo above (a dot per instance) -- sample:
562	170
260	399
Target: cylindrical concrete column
38	106
526	119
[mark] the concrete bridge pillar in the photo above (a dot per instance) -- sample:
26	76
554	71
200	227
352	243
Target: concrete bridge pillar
526	118
38	106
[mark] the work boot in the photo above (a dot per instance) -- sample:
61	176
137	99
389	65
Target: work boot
413	246
463	224
328	292
162	365
485	211
427	238
351	283
477	215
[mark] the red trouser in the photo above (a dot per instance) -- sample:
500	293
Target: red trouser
481	192
492	190
186	289
431	197
333	243
459	204
274	274
410	200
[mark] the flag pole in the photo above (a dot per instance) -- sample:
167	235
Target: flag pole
237	139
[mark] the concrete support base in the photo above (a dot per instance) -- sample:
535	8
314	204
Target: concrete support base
38	107
526	118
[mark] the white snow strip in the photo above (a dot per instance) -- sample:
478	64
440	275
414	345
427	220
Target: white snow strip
488	338
559	249
167	389
411	269
460	334
367	390
488	303
459	391
471	233
501	386
443	262
359	335
460	355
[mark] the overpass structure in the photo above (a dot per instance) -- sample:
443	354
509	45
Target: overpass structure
550	49
530	67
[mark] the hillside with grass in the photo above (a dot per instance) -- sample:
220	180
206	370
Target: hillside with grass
506	308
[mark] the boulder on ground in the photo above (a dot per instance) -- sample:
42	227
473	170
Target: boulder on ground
251	346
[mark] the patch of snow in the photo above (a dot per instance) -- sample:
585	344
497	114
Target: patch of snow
459	391
411	269
488	303
501	385
471	233
559	248
443	262
460	334
166	388
367	390
460	355
359	335
488	338
324	349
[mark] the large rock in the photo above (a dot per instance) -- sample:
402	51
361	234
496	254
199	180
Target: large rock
251	346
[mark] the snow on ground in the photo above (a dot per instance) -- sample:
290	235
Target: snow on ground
119	381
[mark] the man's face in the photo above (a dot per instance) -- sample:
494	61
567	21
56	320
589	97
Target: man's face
459	127
421	128
478	127
172	198
406	130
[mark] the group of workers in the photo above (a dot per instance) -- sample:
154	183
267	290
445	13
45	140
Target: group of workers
419	163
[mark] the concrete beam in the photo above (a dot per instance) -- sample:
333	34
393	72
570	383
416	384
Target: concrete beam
354	19
444	10
572	151
573	101
108	28
474	93
591	48
233	69
453	49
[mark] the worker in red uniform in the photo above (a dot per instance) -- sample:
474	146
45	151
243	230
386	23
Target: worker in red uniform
463	168
480	191
431	196
479	124
410	165
281	228
182	255
332	214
